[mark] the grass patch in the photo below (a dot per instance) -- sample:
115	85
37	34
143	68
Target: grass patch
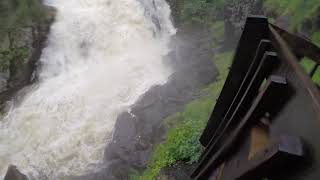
308	65
185	128
316	77
316	38
217	30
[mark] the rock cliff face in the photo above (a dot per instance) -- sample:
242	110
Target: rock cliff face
175	6
235	14
138	130
14	174
20	49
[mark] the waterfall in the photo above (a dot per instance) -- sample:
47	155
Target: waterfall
101	56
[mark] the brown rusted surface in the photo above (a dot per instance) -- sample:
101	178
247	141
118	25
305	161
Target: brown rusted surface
259	139
285	149
255	31
299	45
288	56
288	103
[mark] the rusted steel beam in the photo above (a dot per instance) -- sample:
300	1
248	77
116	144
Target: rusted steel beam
264	46
287	149
256	28
242	105
301	46
289	58
263	69
213	153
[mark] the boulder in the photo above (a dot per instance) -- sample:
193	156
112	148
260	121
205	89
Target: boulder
14	174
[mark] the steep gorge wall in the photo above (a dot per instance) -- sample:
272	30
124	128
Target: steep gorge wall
23	31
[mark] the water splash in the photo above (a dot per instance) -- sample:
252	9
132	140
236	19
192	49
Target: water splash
101	56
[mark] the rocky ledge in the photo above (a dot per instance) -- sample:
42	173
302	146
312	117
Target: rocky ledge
14	174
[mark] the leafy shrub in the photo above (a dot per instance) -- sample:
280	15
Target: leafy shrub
199	11
217	30
19	13
316	38
14	55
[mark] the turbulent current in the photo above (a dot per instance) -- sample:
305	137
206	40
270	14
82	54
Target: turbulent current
101	56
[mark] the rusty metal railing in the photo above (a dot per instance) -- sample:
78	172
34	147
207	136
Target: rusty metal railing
266	121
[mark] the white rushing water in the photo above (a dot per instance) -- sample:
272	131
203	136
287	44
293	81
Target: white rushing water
101	56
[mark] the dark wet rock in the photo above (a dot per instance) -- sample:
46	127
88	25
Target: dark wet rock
136	132
19	54
14	174
235	14
127	145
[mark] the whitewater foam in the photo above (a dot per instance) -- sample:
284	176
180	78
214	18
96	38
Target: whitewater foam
101	56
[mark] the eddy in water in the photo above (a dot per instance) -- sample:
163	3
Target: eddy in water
101	56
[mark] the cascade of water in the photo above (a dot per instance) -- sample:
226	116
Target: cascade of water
101	56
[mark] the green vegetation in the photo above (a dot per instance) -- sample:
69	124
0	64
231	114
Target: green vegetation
17	13
300	11
15	16
16	55
308	66
202	12
186	127
316	38
217	30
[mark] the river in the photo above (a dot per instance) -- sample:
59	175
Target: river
101	56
